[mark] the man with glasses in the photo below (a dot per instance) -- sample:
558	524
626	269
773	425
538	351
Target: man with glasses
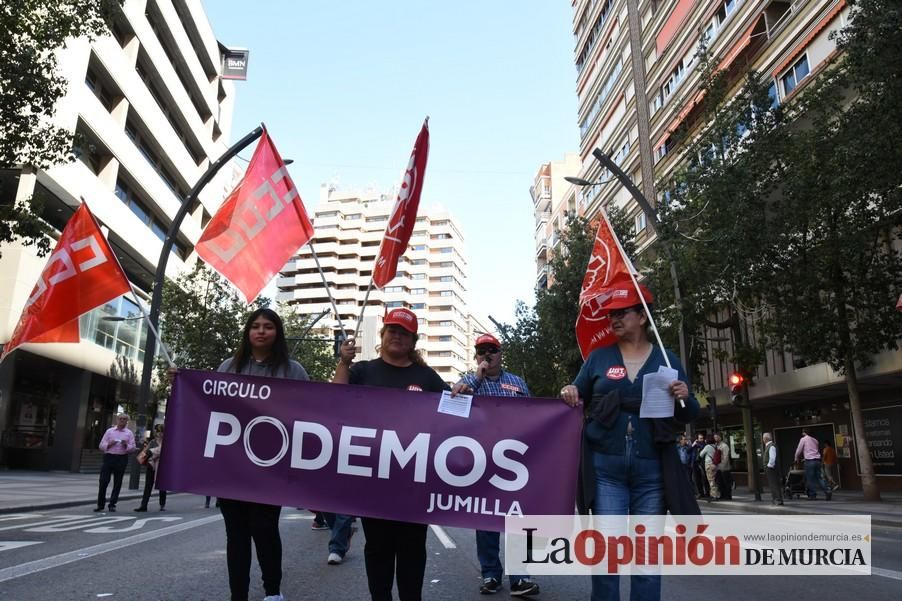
491	380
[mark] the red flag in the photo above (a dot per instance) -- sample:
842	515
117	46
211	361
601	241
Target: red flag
607	283
259	226
404	215
82	273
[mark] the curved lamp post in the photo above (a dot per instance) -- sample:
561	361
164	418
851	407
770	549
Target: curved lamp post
160	276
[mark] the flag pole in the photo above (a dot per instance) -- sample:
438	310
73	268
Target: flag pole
326	285
366	297
651	320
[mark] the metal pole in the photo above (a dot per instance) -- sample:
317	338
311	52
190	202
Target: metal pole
157	296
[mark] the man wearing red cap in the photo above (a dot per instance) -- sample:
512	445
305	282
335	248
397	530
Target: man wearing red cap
491	380
393	548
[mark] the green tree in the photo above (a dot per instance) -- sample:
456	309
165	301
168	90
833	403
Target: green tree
30	88
800	215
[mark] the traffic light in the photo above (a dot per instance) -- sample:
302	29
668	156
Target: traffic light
737	389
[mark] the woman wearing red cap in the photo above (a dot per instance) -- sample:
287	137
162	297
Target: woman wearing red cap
635	460
390	542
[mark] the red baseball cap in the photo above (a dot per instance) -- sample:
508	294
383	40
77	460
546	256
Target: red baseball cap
625	296
402	317
487	339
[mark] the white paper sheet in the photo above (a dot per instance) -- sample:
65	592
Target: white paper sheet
458	405
656	398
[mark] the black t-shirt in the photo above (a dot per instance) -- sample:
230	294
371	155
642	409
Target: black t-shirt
413	377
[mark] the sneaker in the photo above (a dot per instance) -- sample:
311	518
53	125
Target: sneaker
334	559
112	508
835	487
163	508
524	588
490	586
140	508
273	598
319	526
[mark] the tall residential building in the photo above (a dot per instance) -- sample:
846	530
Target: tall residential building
553	200
153	113
637	83
431	279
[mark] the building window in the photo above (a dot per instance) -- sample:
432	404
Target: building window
445	249
377	219
796	74
417	247
394	304
394	289
772	93
416	306
418	291
418	276
639	223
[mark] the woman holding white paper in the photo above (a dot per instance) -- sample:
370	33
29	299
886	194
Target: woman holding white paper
636	465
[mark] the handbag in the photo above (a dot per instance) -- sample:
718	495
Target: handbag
143	456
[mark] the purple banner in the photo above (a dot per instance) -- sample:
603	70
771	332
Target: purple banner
366	451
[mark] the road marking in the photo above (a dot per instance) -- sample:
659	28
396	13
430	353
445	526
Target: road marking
62	559
886	573
77	524
443	537
7	545
136	526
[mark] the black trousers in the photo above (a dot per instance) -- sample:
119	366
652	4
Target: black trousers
389	543
245	521
725	483
113	465
149	478
776	487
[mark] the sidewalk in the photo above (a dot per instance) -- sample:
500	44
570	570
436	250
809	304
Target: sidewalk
22	491
888	512
32	491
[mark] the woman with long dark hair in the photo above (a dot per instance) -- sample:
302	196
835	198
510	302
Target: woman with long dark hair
262	351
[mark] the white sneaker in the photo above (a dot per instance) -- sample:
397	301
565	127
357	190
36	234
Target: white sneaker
334	560
274	598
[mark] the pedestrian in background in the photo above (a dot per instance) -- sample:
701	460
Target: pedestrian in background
698	468
724	473
814	473
153	448
828	457
491	379
393	548
117	442
685	451
262	351
772	468
707	457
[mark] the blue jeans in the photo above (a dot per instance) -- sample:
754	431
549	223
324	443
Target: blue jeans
488	550
814	477
627	484
340	524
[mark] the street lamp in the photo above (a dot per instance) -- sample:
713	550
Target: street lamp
153	317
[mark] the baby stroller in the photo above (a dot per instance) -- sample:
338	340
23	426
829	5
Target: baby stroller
794	485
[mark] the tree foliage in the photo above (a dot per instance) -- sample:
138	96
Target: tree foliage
31	31
314	351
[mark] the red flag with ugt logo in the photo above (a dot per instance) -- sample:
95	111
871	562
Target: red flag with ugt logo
81	274
404	215
259	226
607	276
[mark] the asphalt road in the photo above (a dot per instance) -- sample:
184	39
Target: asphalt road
75	554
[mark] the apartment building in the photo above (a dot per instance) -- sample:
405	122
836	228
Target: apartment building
637	83
152	112
553	201
431	280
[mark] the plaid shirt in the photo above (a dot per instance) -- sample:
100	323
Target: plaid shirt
507	384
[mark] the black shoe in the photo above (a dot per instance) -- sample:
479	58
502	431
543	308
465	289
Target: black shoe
490	586
112	508
524	588
96	509
140	508
162	508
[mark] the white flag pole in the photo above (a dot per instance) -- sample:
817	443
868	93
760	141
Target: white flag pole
326	286
632	271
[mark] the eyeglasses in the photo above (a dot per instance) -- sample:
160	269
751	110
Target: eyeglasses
486	351
620	313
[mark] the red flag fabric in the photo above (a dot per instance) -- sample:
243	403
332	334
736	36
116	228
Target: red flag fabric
404	215
82	273
607	281
259	226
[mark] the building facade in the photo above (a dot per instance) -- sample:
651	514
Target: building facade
553	201
152	112
638	79
431	280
